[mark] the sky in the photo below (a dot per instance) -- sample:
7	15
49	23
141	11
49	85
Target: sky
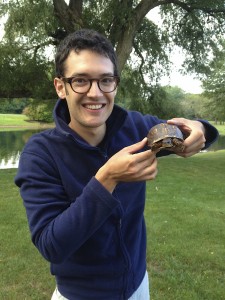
188	83
2	21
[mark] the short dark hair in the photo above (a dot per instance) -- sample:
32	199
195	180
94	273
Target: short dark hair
84	39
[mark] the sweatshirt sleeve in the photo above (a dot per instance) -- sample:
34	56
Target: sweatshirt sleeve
212	133
58	225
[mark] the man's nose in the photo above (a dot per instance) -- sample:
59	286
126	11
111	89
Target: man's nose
94	90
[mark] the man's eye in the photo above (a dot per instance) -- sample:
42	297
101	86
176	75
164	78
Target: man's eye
107	80
80	81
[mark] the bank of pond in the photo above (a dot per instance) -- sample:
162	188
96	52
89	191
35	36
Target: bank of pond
12	143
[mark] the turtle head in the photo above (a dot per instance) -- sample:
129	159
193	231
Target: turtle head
167	143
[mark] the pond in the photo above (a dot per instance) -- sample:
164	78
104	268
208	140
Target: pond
12	143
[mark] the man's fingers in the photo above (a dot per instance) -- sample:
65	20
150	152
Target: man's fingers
136	147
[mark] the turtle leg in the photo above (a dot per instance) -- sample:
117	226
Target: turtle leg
178	145
156	146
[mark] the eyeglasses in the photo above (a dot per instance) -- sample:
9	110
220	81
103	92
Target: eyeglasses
82	85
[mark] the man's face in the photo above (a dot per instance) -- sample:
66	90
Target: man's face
90	110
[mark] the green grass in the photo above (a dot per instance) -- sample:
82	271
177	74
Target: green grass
24	274
16	122
13	120
185	217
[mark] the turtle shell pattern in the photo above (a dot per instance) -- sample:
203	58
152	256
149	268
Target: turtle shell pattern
164	131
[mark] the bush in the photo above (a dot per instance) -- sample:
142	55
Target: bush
13	106
40	110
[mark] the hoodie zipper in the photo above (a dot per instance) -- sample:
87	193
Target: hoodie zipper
121	239
125	255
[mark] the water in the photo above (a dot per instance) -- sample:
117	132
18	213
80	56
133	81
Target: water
218	145
12	143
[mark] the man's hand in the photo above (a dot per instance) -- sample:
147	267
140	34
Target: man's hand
195	133
128	165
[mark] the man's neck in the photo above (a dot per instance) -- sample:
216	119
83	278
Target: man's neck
92	136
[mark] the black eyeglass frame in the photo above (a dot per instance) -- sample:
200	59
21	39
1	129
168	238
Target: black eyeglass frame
70	79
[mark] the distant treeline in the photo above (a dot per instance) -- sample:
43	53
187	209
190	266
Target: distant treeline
35	110
13	106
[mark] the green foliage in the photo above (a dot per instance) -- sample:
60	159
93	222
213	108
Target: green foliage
23	74
40	110
13	106
214	85
173	103
165	102
150	61
29	22
26	69
34	27
193	106
196	28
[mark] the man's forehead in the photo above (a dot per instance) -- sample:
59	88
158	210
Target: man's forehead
86	62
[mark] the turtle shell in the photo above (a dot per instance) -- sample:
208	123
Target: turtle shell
163	131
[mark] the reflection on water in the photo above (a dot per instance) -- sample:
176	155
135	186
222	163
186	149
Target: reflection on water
12	143
11	162
218	145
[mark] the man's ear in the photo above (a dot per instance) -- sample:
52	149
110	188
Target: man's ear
60	88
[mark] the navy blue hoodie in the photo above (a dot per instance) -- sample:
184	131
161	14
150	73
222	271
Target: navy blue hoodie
94	240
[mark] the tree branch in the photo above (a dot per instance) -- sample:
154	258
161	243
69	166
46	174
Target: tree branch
146	5
69	16
76	7
142	60
195	6
126	31
37	47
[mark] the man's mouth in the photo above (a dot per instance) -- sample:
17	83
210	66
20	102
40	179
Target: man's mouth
94	106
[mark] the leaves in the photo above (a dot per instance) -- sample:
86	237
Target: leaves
214	85
142	46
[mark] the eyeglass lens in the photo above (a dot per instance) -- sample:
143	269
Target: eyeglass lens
82	85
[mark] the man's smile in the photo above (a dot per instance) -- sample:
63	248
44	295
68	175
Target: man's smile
93	106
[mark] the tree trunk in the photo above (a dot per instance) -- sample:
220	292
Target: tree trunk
126	30
69	16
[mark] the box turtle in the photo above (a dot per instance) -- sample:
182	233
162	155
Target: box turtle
165	136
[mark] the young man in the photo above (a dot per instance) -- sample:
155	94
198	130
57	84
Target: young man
83	182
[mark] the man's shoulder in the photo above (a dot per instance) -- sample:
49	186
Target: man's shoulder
40	140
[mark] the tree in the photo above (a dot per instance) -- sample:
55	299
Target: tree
214	86
13	106
141	45
39	110
193	106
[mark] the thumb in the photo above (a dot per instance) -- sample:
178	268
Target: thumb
136	147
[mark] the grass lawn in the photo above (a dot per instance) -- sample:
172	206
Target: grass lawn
16	122
13	120
24	274
185	217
